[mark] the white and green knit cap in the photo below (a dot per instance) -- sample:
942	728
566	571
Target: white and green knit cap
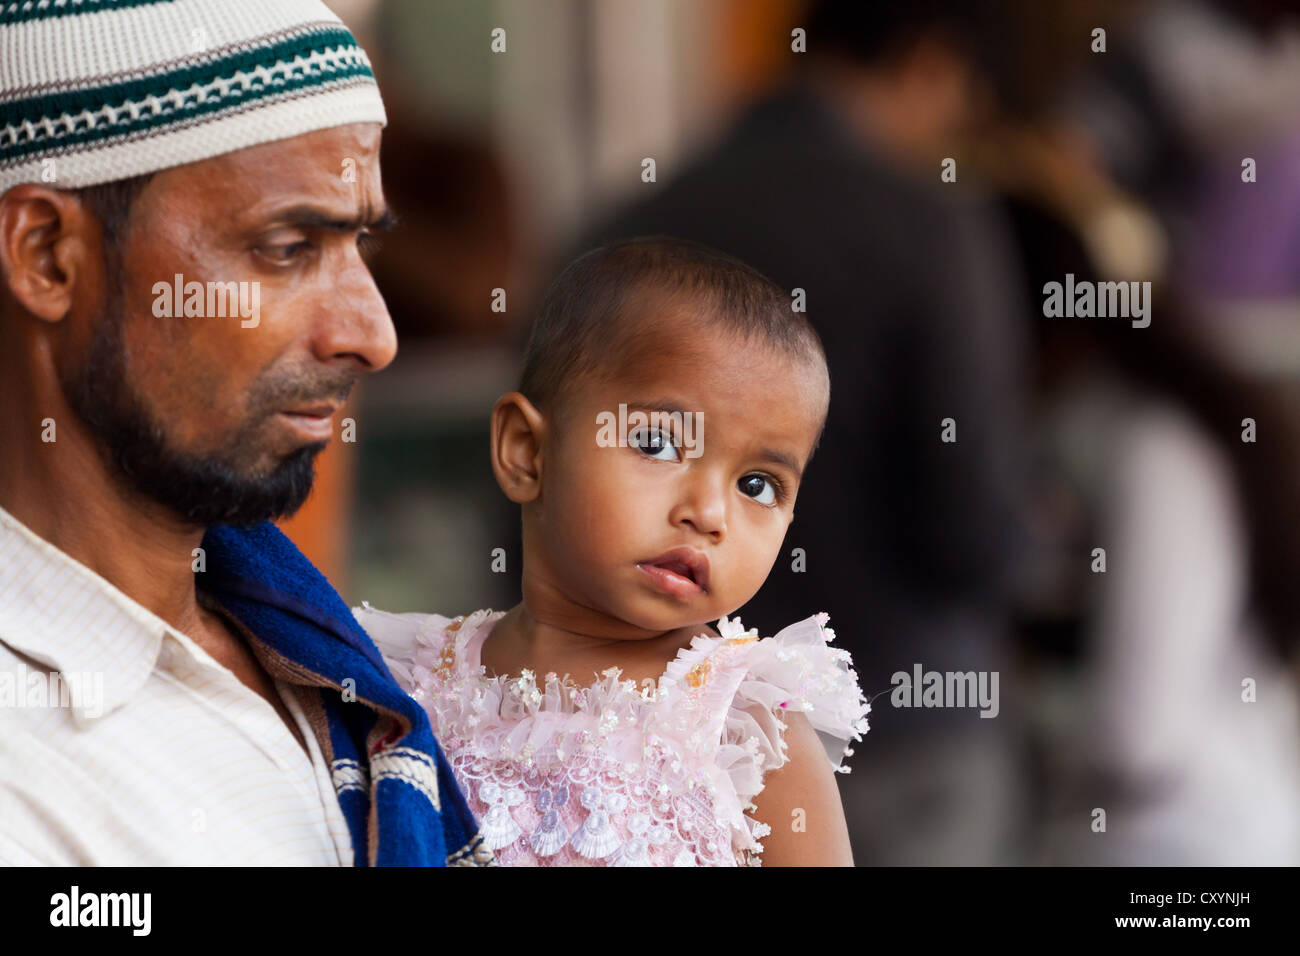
109	89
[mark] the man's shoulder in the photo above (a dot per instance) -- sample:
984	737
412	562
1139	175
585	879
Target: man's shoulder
31	788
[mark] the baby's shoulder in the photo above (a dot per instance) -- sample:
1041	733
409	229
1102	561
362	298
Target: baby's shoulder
726	703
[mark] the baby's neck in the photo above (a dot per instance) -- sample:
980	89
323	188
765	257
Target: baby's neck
520	641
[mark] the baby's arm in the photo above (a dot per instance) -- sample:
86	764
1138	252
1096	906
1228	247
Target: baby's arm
800	801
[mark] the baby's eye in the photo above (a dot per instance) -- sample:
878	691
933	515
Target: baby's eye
754	487
654	442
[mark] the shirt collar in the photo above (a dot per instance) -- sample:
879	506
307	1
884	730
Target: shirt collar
57	611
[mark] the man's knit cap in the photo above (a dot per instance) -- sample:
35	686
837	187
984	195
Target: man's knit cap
93	91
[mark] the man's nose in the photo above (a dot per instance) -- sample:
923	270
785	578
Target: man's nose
355	321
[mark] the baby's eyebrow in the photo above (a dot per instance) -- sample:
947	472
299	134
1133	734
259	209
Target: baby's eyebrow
658	406
781	458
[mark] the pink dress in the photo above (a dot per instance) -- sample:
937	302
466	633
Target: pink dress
612	774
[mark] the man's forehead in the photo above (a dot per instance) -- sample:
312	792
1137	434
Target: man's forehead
335	163
321	147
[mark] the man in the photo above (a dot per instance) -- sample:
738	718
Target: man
183	306
907	530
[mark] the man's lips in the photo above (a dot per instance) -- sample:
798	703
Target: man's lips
315	421
321	410
679	572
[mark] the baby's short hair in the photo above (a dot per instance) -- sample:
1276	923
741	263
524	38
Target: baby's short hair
589	317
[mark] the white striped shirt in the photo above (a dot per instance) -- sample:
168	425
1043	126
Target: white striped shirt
122	742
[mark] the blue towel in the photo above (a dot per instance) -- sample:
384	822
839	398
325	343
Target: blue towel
396	789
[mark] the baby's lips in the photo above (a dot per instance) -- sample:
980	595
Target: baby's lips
694	561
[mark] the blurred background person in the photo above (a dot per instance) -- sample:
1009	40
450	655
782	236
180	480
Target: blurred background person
1168	700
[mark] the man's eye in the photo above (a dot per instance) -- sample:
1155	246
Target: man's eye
760	488
654	443
368	243
285	251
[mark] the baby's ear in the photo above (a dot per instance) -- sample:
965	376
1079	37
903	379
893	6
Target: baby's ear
517	432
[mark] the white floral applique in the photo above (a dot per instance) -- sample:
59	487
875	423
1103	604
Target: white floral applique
498	826
645	834
596	838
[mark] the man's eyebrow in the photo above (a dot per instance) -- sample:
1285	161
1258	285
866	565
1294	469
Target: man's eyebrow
313	217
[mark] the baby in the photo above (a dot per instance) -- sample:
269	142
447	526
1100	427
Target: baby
665	742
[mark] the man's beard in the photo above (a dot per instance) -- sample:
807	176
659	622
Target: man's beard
201	490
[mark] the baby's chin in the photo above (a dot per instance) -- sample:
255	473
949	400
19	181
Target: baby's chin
643	608
664	619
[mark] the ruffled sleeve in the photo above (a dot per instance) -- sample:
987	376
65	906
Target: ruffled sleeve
410	643
795	669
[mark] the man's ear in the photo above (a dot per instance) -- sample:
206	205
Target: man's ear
45	241
518	429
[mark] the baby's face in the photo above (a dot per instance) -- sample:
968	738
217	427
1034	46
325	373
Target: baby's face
682	523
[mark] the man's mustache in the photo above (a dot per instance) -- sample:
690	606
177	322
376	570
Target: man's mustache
299	391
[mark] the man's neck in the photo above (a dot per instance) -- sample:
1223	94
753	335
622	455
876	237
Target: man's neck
64	492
